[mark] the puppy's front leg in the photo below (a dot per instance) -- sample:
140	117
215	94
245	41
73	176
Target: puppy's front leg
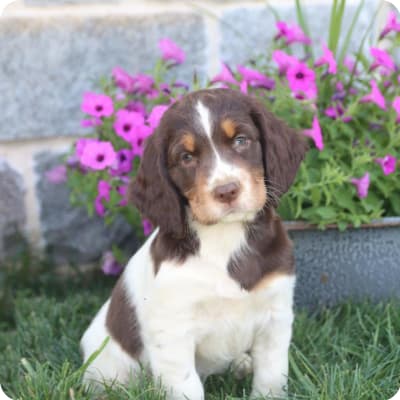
270	358
172	360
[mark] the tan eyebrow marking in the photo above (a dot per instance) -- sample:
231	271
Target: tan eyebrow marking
229	127
188	142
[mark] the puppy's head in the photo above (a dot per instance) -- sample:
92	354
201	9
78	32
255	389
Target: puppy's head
217	155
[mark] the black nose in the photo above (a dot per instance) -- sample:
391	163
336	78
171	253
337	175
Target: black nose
226	193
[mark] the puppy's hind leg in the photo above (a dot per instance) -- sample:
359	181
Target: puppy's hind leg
112	363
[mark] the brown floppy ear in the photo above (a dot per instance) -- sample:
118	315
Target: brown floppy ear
153	193
283	149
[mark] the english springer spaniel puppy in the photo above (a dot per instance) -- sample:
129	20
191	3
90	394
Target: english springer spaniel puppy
213	284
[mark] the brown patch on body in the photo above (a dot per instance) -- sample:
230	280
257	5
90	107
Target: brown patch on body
270	253
228	127
188	142
122	322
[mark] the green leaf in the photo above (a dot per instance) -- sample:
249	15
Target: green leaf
309	213
304	26
119	255
335	24
395	202
383	186
372	202
349	34
342	225
285	210
327	213
316	196
344	198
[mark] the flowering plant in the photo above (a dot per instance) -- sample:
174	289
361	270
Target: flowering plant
349	107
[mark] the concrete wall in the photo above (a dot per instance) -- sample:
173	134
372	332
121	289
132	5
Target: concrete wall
52	50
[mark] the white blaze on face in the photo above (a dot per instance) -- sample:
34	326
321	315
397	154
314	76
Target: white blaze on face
205	120
223	172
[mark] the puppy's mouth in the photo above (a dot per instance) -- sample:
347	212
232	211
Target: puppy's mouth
227	213
237	214
229	209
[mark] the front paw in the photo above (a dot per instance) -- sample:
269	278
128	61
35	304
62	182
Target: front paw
190	389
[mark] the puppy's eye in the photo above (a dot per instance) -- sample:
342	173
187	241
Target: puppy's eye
241	141
186	158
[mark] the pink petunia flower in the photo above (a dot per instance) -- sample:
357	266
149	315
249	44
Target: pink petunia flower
123	80
137	142
327	58
392	25
147	227
387	163
171	51
375	96
144	84
120	96
331	112
353	91
396	106
97	105
350	64
340	92
291	33
98	155
153	94
244	86
315	134
136	106
123	192
124	162
110	265
255	78
387	83
382	59
89	123
103	194
362	185
225	76
127	123
339	86
57	174
181	84
165	88
337	111
156	114
283	60
302	79
81	143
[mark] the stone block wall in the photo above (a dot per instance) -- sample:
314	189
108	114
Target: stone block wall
54	50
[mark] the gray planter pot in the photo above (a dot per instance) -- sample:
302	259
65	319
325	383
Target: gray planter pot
356	264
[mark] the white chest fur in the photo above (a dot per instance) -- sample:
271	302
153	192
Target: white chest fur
199	300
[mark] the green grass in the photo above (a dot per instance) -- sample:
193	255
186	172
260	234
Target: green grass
349	352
